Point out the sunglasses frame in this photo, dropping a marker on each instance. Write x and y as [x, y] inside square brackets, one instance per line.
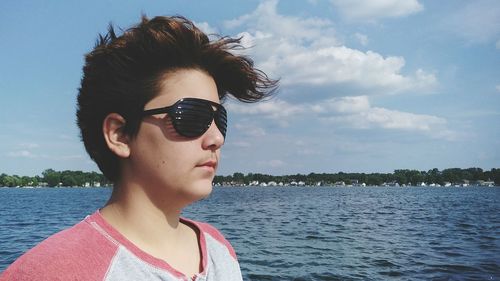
[219, 115]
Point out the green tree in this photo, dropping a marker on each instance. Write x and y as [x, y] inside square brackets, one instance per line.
[401, 176]
[68, 180]
[2, 179]
[453, 175]
[26, 181]
[495, 176]
[239, 177]
[51, 177]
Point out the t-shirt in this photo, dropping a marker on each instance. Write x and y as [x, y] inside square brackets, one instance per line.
[94, 250]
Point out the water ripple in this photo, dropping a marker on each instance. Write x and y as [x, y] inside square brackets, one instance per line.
[308, 233]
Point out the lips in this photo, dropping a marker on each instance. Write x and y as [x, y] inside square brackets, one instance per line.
[210, 164]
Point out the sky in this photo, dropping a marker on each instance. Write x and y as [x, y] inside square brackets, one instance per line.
[365, 85]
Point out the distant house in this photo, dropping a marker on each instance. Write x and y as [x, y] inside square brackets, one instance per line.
[392, 183]
[485, 183]
[254, 183]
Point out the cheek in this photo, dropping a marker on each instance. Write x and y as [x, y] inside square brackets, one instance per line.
[149, 150]
[171, 158]
[157, 156]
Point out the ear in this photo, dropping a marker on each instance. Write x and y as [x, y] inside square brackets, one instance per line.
[116, 139]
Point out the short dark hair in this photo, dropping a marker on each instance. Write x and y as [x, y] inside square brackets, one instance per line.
[122, 73]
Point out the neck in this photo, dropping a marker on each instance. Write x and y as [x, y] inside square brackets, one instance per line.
[148, 215]
[132, 212]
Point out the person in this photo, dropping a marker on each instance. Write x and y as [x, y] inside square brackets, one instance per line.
[151, 116]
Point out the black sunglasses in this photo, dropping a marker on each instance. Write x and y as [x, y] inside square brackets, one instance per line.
[192, 117]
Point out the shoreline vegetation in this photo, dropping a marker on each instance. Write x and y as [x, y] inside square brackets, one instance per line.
[456, 177]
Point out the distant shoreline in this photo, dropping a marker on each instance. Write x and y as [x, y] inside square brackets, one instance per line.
[264, 185]
[452, 177]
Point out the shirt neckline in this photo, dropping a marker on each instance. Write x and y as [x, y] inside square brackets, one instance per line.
[144, 256]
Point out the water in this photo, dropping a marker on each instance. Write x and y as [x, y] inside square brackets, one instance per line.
[308, 233]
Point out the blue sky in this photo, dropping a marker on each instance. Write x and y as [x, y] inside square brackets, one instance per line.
[366, 85]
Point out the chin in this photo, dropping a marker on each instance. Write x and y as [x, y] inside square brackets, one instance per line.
[200, 190]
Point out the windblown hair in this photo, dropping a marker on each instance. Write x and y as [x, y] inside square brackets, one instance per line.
[122, 73]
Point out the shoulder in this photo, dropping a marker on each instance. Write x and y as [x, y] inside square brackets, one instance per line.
[213, 235]
[220, 261]
[77, 251]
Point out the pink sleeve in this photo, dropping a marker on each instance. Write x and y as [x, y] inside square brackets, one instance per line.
[79, 253]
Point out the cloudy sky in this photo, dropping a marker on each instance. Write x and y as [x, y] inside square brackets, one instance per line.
[366, 85]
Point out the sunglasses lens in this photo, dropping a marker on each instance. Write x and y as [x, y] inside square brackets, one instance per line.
[192, 118]
[221, 120]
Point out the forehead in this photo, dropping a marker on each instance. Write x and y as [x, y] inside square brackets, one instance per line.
[185, 83]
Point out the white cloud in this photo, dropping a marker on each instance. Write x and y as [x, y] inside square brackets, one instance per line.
[308, 152]
[350, 112]
[274, 108]
[278, 110]
[376, 117]
[241, 144]
[363, 39]
[266, 20]
[206, 28]
[29, 145]
[305, 51]
[477, 21]
[275, 163]
[498, 88]
[250, 130]
[356, 112]
[67, 157]
[22, 154]
[28, 154]
[343, 105]
[372, 10]
[423, 79]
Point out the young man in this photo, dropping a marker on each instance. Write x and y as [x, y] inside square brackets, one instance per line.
[150, 114]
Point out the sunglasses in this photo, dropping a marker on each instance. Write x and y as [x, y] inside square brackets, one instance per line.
[192, 117]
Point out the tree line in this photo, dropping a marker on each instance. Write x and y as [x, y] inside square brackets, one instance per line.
[53, 178]
[407, 177]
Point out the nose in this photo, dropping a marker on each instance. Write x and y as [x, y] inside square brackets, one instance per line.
[213, 138]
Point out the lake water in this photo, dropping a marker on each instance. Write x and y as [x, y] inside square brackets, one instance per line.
[307, 233]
